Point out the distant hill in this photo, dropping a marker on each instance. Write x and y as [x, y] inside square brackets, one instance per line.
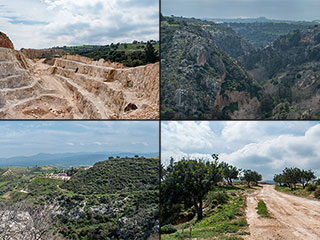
[240, 20]
[260, 33]
[65, 160]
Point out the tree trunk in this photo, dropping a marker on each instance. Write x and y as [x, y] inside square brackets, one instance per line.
[198, 208]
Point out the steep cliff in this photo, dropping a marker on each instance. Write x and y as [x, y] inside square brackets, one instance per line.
[199, 78]
[76, 87]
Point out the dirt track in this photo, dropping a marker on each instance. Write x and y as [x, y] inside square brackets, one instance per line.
[291, 217]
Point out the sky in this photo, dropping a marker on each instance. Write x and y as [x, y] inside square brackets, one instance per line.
[27, 138]
[272, 9]
[266, 147]
[49, 23]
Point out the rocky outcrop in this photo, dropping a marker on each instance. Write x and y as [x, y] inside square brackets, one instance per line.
[42, 53]
[199, 78]
[76, 88]
[5, 42]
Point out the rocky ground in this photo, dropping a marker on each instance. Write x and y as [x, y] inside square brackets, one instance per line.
[75, 87]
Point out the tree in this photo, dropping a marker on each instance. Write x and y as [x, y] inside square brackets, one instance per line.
[150, 53]
[188, 181]
[278, 178]
[251, 176]
[229, 172]
[306, 176]
[292, 176]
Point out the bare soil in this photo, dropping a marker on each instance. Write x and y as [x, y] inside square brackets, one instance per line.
[291, 217]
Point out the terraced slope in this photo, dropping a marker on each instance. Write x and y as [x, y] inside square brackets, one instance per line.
[76, 87]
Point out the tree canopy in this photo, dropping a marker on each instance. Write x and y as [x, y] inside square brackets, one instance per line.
[188, 181]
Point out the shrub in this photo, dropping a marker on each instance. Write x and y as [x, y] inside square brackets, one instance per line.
[215, 198]
[167, 229]
[311, 187]
[317, 193]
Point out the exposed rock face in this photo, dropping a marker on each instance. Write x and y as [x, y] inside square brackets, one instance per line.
[42, 53]
[5, 42]
[199, 80]
[76, 87]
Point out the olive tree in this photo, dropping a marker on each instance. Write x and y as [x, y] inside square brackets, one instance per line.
[188, 181]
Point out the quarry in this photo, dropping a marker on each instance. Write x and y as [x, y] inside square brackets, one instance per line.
[74, 87]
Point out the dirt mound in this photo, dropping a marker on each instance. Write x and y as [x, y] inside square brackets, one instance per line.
[5, 42]
[76, 87]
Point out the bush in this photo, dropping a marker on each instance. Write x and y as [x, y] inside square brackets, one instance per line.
[311, 187]
[317, 193]
[215, 198]
[167, 229]
[318, 182]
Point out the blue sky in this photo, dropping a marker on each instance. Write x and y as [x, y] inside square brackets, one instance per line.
[49, 23]
[32, 137]
[274, 9]
[267, 147]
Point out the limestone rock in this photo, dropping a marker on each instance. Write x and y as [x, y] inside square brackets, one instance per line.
[5, 42]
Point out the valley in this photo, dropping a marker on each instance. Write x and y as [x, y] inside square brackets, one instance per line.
[239, 70]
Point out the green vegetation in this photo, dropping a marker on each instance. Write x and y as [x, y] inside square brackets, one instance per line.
[196, 203]
[114, 199]
[223, 220]
[260, 34]
[198, 66]
[262, 209]
[130, 54]
[250, 176]
[208, 67]
[292, 176]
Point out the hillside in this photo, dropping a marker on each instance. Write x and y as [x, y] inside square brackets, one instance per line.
[115, 175]
[289, 70]
[211, 72]
[199, 79]
[260, 34]
[106, 201]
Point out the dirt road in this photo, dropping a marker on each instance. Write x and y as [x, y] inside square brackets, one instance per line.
[291, 217]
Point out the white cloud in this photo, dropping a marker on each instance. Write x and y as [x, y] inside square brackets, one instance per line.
[76, 22]
[267, 147]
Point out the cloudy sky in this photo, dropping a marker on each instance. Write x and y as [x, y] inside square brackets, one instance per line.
[49, 23]
[32, 137]
[267, 147]
[273, 9]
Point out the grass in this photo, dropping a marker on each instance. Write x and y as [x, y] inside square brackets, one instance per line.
[225, 221]
[4, 183]
[262, 209]
[299, 191]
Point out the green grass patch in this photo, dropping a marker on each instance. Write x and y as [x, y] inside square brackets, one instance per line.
[262, 209]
